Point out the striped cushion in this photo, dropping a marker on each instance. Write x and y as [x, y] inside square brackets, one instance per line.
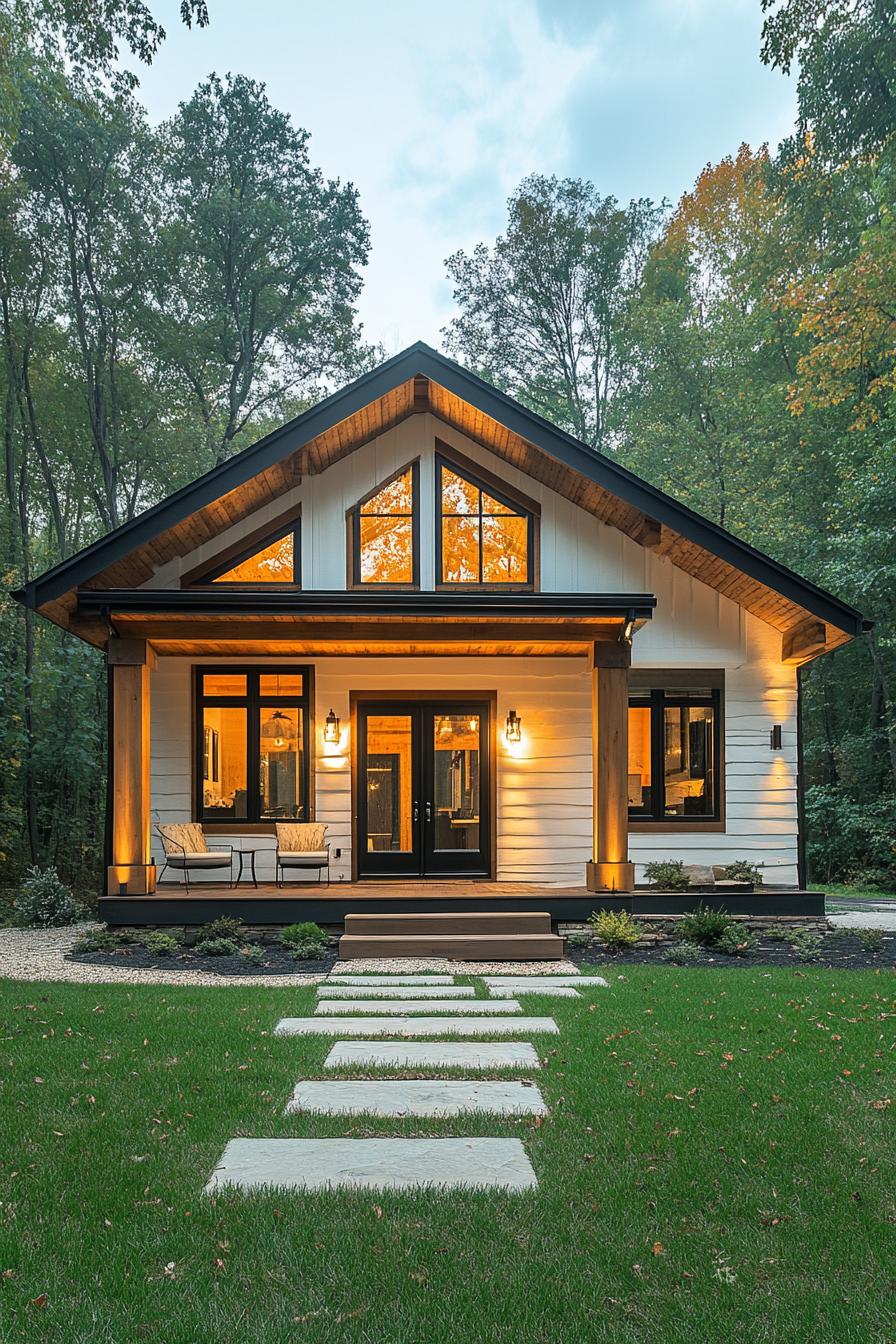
[178, 836]
[298, 837]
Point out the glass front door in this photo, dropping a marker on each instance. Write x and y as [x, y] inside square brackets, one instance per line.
[423, 789]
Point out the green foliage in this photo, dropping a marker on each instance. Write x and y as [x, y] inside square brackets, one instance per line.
[806, 945]
[218, 947]
[225, 926]
[307, 941]
[667, 875]
[98, 940]
[736, 941]
[46, 900]
[616, 928]
[871, 939]
[579, 938]
[705, 926]
[683, 954]
[741, 871]
[158, 943]
[851, 840]
[254, 953]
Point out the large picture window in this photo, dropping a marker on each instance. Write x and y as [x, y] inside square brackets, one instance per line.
[674, 753]
[252, 737]
[384, 547]
[485, 538]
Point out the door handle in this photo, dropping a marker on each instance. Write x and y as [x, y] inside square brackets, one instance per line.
[416, 812]
[429, 811]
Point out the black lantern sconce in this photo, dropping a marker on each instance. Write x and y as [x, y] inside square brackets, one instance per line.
[776, 740]
[331, 728]
[514, 725]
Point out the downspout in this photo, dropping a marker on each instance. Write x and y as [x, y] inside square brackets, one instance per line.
[801, 870]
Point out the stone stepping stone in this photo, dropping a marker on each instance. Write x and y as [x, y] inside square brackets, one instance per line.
[414, 1026]
[334, 1007]
[373, 1164]
[443, 1055]
[338, 978]
[329, 991]
[555, 981]
[549, 991]
[399, 1096]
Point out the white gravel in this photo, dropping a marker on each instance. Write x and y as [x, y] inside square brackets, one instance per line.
[39, 954]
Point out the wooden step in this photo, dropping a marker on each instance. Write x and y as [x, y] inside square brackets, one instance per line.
[480, 921]
[456, 946]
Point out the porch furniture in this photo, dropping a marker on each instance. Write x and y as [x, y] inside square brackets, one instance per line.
[241, 855]
[186, 848]
[300, 846]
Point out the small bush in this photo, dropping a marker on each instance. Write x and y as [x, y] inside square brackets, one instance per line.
[306, 942]
[704, 926]
[254, 953]
[668, 875]
[616, 928]
[218, 947]
[98, 940]
[736, 942]
[579, 938]
[683, 954]
[871, 939]
[160, 944]
[225, 926]
[806, 945]
[741, 871]
[45, 900]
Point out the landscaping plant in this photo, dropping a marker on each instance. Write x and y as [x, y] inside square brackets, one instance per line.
[805, 944]
[741, 871]
[736, 941]
[218, 947]
[45, 900]
[225, 926]
[871, 939]
[306, 941]
[254, 953]
[616, 929]
[667, 875]
[704, 926]
[683, 954]
[160, 944]
[98, 940]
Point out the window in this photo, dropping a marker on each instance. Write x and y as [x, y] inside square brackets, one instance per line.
[271, 557]
[484, 538]
[384, 533]
[252, 743]
[674, 753]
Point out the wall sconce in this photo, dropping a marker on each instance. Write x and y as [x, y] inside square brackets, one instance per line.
[513, 729]
[775, 737]
[331, 728]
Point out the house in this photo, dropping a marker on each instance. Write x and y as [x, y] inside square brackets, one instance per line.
[499, 667]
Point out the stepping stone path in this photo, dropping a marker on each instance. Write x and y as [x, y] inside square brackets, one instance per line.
[372, 1006]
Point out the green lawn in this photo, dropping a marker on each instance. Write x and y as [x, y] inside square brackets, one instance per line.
[849, 895]
[718, 1161]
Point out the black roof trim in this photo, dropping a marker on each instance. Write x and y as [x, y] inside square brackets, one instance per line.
[422, 359]
[254, 602]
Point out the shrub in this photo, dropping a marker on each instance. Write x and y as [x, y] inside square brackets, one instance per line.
[682, 954]
[45, 900]
[306, 942]
[160, 944]
[704, 926]
[98, 940]
[579, 938]
[736, 942]
[847, 839]
[806, 945]
[741, 871]
[616, 928]
[225, 926]
[218, 947]
[667, 874]
[871, 939]
[254, 953]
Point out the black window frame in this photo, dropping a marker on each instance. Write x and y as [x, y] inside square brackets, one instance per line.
[658, 700]
[253, 702]
[512, 501]
[354, 524]
[213, 576]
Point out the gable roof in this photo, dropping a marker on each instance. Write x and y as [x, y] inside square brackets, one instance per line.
[420, 379]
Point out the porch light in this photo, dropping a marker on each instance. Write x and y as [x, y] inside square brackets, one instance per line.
[775, 737]
[514, 725]
[280, 728]
[331, 728]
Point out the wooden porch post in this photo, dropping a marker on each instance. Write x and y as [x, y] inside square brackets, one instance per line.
[131, 871]
[610, 869]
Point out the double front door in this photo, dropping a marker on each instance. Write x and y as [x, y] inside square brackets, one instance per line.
[423, 789]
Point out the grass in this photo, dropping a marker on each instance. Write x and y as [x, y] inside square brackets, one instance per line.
[718, 1162]
[848, 896]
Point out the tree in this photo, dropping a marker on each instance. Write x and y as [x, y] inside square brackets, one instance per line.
[261, 261]
[540, 311]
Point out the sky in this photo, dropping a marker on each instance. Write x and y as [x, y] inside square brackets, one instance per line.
[437, 109]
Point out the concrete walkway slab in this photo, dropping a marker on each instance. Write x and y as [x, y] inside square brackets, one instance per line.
[335, 1007]
[414, 1026]
[549, 991]
[338, 978]
[329, 991]
[576, 981]
[374, 1164]
[423, 1055]
[406, 1096]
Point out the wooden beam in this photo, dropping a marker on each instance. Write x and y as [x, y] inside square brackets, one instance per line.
[610, 869]
[803, 641]
[130, 653]
[131, 871]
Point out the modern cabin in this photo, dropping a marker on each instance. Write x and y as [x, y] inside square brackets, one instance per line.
[496, 666]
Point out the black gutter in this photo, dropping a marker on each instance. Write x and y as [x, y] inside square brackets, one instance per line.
[627, 606]
[421, 359]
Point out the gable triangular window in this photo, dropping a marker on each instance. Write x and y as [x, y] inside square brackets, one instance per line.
[384, 533]
[486, 536]
[268, 557]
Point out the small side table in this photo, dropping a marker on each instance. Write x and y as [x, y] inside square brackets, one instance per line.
[242, 853]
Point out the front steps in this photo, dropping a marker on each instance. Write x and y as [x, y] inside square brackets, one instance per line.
[478, 936]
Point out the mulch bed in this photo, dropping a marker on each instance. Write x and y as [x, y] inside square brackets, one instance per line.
[277, 961]
[841, 950]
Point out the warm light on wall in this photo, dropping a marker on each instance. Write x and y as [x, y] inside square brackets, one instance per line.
[513, 729]
[331, 729]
